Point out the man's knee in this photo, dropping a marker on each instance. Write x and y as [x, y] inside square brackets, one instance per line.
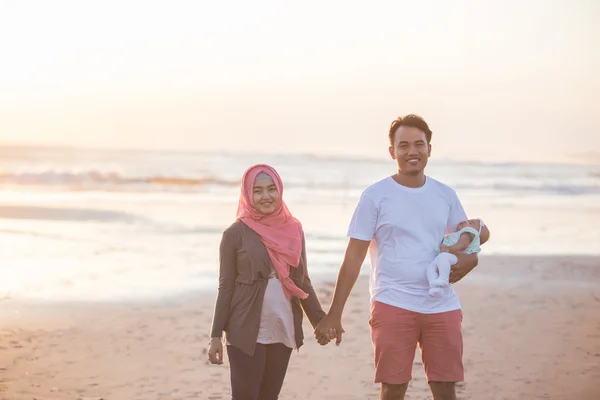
[393, 392]
[443, 390]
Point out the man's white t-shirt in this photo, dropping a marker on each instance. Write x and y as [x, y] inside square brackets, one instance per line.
[406, 227]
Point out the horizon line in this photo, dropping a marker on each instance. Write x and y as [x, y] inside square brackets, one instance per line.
[591, 158]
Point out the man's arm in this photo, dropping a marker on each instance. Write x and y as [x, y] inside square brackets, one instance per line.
[464, 265]
[349, 271]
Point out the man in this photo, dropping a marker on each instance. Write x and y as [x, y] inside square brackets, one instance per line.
[402, 220]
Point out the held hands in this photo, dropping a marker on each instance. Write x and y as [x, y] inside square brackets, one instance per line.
[328, 329]
[215, 351]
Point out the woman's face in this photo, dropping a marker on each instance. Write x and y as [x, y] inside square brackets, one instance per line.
[265, 195]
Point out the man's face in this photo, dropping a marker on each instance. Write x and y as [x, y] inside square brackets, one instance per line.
[410, 150]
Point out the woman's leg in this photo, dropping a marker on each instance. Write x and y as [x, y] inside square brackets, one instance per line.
[246, 372]
[278, 357]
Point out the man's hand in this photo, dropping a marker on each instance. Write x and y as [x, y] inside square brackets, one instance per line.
[330, 327]
[465, 264]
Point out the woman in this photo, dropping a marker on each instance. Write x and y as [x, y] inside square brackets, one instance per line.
[263, 287]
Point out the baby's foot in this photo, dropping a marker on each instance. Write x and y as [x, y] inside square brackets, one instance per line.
[436, 292]
[439, 283]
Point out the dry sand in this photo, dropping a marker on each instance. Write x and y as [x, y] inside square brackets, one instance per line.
[531, 327]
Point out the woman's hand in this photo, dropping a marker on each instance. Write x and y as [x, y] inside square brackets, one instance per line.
[215, 351]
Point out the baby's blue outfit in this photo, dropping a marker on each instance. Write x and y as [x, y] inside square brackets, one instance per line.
[474, 246]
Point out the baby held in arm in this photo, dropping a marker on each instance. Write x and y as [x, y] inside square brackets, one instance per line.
[466, 239]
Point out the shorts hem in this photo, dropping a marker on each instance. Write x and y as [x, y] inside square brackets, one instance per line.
[454, 380]
[392, 381]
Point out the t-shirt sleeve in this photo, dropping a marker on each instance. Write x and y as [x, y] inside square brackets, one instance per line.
[364, 220]
[457, 214]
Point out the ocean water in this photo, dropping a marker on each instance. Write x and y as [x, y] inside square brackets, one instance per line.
[111, 225]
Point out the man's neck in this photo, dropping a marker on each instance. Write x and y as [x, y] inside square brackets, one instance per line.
[411, 181]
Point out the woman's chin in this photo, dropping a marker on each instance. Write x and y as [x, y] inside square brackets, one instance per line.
[266, 211]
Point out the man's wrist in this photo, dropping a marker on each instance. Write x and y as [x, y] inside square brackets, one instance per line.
[335, 311]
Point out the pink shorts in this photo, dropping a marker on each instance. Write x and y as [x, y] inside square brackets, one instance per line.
[395, 333]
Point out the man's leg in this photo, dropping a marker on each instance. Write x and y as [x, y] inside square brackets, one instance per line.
[393, 392]
[442, 349]
[394, 333]
[443, 390]
[278, 357]
[246, 372]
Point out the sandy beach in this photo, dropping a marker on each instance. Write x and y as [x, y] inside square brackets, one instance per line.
[531, 331]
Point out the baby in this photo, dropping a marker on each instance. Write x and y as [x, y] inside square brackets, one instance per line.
[466, 239]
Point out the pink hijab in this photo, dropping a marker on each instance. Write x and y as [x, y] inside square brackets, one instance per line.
[280, 232]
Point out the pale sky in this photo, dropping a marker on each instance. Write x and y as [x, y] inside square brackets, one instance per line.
[502, 80]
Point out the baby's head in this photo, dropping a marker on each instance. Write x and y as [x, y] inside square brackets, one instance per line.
[473, 223]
